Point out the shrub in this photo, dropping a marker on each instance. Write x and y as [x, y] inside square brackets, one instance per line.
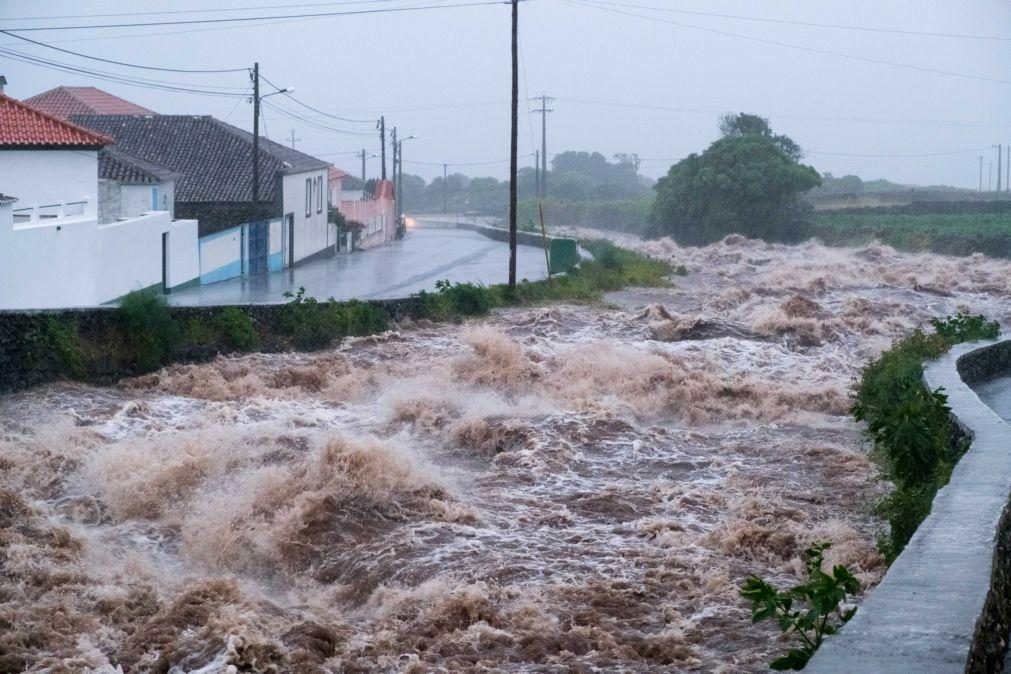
[453, 300]
[362, 318]
[236, 328]
[812, 610]
[313, 325]
[310, 324]
[63, 340]
[149, 332]
[911, 427]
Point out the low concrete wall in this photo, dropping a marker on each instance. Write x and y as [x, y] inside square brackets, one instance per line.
[496, 233]
[27, 359]
[943, 606]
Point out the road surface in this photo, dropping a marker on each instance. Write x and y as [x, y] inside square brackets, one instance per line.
[399, 269]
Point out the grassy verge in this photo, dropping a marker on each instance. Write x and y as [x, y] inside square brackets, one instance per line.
[911, 426]
[953, 234]
[144, 333]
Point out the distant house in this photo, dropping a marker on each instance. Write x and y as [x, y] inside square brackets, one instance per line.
[66, 101]
[214, 163]
[54, 252]
[129, 186]
[375, 210]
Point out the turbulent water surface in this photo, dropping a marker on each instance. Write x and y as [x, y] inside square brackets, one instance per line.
[564, 488]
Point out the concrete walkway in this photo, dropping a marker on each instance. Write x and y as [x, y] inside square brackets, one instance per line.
[933, 613]
[399, 269]
[996, 393]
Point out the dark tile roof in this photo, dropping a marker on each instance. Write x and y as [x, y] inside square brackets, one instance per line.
[7, 199]
[214, 158]
[67, 101]
[25, 127]
[121, 167]
[350, 183]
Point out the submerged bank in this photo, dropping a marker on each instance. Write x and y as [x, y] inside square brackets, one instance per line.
[551, 488]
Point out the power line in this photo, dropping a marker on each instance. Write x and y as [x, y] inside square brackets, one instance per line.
[896, 156]
[137, 82]
[317, 110]
[464, 163]
[313, 15]
[197, 11]
[324, 127]
[814, 50]
[805, 23]
[818, 118]
[119, 63]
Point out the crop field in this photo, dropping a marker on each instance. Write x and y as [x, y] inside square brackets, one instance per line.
[955, 234]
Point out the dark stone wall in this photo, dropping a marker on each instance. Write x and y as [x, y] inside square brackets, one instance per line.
[27, 357]
[982, 364]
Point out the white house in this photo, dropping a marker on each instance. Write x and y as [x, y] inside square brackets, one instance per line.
[213, 162]
[54, 252]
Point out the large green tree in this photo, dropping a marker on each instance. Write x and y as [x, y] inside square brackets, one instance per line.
[747, 182]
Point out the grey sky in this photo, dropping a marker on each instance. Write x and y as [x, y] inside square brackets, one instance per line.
[444, 75]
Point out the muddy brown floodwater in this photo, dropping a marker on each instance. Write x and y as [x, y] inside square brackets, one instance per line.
[552, 489]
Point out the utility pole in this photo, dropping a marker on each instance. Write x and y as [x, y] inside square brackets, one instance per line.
[396, 183]
[293, 139]
[1000, 158]
[445, 186]
[256, 136]
[514, 133]
[981, 173]
[1007, 172]
[537, 172]
[363, 156]
[544, 110]
[989, 177]
[382, 139]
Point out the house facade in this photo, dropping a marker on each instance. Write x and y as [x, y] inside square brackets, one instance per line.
[54, 251]
[213, 161]
[375, 212]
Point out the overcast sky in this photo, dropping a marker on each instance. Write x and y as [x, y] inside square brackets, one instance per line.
[625, 77]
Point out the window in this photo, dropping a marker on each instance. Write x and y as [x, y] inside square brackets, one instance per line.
[154, 198]
[319, 195]
[308, 197]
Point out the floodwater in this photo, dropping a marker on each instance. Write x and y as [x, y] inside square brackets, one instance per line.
[552, 489]
[996, 393]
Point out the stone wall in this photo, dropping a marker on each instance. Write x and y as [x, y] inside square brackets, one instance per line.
[944, 605]
[28, 358]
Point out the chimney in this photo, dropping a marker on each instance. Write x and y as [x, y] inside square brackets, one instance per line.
[3, 83]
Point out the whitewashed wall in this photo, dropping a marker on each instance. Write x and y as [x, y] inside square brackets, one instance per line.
[136, 199]
[312, 232]
[222, 254]
[76, 262]
[40, 177]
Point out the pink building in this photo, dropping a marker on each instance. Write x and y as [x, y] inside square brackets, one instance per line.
[374, 211]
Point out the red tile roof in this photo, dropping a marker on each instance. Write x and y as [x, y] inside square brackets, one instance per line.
[24, 127]
[67, 101]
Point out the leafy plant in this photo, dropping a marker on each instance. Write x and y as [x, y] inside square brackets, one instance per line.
[63, 339]
[310, 323]
[911, 426]
[812, 610]
[236, 328]
[150, 333]
[966, 328]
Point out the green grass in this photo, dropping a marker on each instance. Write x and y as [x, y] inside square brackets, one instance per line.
[961, 234]
[611, 269]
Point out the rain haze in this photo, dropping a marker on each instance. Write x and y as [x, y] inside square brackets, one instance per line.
[625, 78]
[548, 336]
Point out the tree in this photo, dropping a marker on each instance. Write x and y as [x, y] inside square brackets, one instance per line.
[747, 182]
[743, 124]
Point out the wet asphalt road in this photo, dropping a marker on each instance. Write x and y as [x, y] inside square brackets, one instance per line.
[399, 269]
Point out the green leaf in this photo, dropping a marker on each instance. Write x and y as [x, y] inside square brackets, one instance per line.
[796, 660]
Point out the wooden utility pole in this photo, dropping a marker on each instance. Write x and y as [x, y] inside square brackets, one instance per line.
[514, 133]
[382, 139]
[544, 110]
[256, 137]
[363, 155]
[293, 139]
